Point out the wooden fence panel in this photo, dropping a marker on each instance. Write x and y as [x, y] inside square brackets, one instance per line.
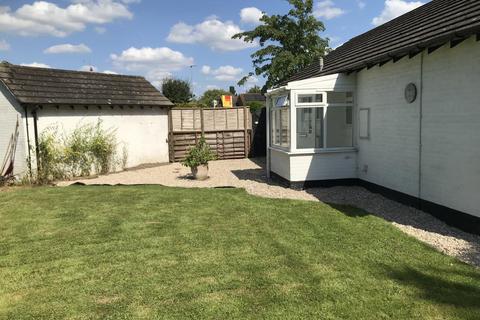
[224, 131]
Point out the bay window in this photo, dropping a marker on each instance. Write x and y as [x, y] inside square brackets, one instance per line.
[324, 120]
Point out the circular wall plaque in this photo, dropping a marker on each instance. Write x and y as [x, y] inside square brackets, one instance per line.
[411, 92]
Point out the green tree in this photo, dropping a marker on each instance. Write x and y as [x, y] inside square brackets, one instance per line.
[210, 95]
[255, 89]
[288, 43]
[176, 90]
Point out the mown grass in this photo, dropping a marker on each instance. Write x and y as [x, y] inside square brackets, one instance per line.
[149, 252]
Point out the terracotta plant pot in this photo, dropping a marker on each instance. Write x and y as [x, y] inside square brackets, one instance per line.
[200, 172]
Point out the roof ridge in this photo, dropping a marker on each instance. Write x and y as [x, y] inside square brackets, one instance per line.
[70, 71]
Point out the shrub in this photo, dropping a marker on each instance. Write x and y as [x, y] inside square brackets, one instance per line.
[89, 148]
[255, 106]
[201, 154]
[51, 158]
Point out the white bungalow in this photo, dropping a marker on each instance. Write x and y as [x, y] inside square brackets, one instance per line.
[396, 109]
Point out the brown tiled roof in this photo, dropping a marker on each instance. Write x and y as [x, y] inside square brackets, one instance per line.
[253, 97]
[428, 26]
[43, 86]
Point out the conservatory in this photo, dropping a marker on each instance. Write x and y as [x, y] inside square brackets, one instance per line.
[311, 130]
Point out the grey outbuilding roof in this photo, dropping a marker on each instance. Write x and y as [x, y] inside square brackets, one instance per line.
[42, 86]
[425, 28]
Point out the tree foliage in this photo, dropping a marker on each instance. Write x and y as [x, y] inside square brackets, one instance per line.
[288, 43]
[176, 90]
[213, 94]
[255, 89]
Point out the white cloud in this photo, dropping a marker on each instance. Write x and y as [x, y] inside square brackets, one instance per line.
[47, 18]
[36, 65]
[109, 72]
[251, 15]
[223, 73]
[88, 68]
[4, 45]
[156, 63]
[251, 82]
[68, 48]
[326, 9]
[361, 4]
[395, 8]
[100, 30]
[157, 77]
[147, 58]
[212, 87]
[212, 32]
[206, 69]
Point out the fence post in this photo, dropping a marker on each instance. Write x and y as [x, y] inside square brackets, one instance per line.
[245, 128]
[202, 124]
[171, 142]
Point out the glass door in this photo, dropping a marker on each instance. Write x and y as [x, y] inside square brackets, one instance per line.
[309, 128]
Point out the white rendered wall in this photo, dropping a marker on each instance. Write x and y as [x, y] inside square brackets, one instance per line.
[280, 163]
[143, 132]
[451, 127]
[323, 166]
[390, 157]
[10, 111]
[450, 155]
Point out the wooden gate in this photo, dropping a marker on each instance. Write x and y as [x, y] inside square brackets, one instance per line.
[227, 131]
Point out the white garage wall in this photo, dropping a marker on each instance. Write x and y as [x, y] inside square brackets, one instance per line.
[10, 111]
[143, 132]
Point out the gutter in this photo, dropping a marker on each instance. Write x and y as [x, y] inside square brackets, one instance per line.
[419, 46]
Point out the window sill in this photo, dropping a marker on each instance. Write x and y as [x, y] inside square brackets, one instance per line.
[279, 149]
[315, 151]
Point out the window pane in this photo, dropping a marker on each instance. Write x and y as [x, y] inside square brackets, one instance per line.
[310, 98]
[280, 127]
[277, 128]
[364, 115]
[339, 97]
[281, 101]
[309, 128]
[285, 127]
[339, 130]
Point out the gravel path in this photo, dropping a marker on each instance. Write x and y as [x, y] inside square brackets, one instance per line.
[251, 176]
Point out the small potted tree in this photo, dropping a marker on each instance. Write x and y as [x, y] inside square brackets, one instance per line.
[197, 159]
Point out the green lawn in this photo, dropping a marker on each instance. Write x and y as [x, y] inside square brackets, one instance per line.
[163, 253]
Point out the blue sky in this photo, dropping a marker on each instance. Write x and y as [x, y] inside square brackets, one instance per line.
[156, 39]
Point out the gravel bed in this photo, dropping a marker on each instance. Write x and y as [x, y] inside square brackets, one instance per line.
[250, 175]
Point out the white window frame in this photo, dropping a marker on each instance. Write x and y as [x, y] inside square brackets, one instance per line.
[310, 93]
[325, 105]
[288, 106]
[360, 136]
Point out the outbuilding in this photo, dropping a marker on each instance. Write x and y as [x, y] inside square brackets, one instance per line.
[396, 109]
[38, 98]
